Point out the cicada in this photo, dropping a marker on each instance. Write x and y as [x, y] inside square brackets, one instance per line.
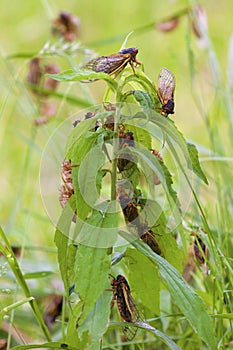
[166, 87]
[115, 63]
[200, 249]
[126, 305]
[151, 241]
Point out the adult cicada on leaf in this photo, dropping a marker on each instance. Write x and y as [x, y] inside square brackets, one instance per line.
[115, 63]
[126, 305]
[166, 87]
[151, 241]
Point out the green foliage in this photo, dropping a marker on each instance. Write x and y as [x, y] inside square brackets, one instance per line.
[183, 295]
[121, 191]
[85, 148]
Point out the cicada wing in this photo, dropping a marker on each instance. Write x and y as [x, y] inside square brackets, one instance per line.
[108, 64]
[166, 85]
[129, 332]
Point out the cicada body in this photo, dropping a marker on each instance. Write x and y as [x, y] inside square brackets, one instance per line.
[151, 241]
[200, 249]
[125, 304]
[115, 63]
[166, 87]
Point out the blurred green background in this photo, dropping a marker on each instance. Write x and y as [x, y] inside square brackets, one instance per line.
[25, 28]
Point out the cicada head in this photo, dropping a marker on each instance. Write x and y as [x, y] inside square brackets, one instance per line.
[133, 51]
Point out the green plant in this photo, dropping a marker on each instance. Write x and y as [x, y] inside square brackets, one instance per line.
[141, 216]
[99, 139]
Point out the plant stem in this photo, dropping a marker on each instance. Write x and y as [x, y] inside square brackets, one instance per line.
[7, 251]
[114, 162]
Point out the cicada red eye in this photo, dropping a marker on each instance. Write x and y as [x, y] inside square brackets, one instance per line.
[166, 88]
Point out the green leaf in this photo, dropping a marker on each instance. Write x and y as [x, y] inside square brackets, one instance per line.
[140, 81]
[76, 153]
[61, 240]
[50, 345]
[145, 100]
[152, 210]
[172, 345]
[72, 337]
[83, 75]
[97, 321]
[141, 135]
[196, 167]
[148, 328]
[90, 175]
[84, 128]
[171, 252]
[92, 267]
[142, 284]
[5, 310]
[171, 133]
[38, 274]
[150, 165]
[190, 304]
[71, 256]
[99, 229]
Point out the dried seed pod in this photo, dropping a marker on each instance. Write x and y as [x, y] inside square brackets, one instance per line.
[39, 84]
[66, 26]
[166, 87]
[35, 71]
[199, 22]
[168, 25]
[51, 84]
[126, 305]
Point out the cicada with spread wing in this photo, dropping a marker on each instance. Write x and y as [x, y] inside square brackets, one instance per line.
[166, 87]
[126, 305]
[115, 63]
